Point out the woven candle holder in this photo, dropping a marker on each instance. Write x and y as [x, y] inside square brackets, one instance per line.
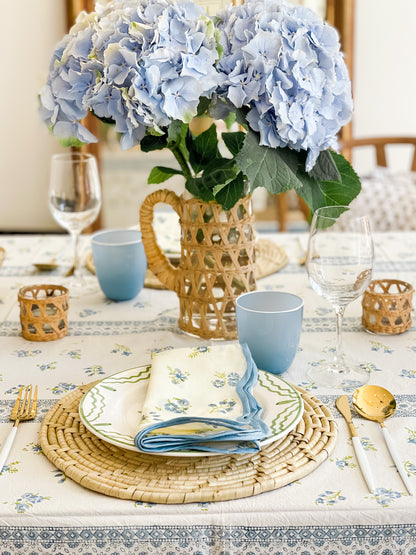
[43, 312]
[387, 306]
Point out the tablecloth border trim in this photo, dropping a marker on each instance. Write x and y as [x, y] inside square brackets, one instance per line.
[108, 328]
[156, 534]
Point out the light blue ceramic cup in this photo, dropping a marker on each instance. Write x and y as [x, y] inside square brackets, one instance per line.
[120, 262]
[270, 322]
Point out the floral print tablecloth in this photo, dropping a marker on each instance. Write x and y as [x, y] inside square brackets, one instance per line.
[331, 510]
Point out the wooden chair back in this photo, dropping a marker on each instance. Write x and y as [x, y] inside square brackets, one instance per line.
[379, 144]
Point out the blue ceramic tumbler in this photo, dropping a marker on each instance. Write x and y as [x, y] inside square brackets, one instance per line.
[270, 322]
[120, 262]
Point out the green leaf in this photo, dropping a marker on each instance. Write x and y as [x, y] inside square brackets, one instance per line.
[220, 48]
[197, 187]
[70, 141]
[274, 169]
[177, 131]
[219, 172]
[325, 168]
[241, 117]
[229, 194]
[159, 174]
[156, 132]
[203, 105]
[153, 142]
[331, 193]
[281, 169]
[203, 148]
[230, 119]
[234, 141]
[294, 159]
[103, 119]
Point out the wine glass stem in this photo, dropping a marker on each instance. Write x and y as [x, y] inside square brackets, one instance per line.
[75, 243]
[338, 358]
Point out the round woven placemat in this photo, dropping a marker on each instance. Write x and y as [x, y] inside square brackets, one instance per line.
[270, 258]
[102, 467]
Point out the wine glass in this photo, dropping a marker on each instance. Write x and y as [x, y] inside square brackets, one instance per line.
[74, 196]
[339, 263]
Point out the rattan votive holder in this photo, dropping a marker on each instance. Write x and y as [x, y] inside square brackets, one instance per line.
[43, 312]
[387, 306]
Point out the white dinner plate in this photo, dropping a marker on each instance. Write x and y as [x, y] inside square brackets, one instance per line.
[111, 409]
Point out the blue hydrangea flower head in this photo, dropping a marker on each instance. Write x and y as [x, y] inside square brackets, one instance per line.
[150, 66]
[283, 65]
[137, 63]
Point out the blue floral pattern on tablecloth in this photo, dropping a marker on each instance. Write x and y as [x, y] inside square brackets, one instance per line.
[330, 510]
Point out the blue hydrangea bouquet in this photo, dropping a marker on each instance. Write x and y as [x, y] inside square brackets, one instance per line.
[150, 66]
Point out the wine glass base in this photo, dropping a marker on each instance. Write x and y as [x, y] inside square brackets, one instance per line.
[80, 285]
[348, 375]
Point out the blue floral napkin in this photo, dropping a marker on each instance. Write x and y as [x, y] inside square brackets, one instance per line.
[202, 399]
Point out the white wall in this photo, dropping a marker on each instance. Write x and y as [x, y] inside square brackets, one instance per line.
[384, 75]
[28, 32]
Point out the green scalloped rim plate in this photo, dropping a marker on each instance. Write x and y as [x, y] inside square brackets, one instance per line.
[111, 409]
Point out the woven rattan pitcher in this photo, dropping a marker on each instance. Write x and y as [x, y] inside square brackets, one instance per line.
[216, 263]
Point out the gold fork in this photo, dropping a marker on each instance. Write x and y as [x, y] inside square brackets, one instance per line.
[23, 410]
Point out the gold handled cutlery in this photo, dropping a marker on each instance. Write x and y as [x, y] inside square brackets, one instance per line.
[23, 410]
[376, 403]
[343, 406]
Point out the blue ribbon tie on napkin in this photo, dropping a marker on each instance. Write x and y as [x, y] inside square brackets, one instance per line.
[201, 399]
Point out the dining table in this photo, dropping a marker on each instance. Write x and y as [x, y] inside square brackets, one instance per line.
[329, 509]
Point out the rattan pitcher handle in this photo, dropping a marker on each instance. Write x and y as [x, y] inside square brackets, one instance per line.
[156, 260]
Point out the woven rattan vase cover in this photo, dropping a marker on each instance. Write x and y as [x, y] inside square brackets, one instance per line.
[105, 468]
[217, 261]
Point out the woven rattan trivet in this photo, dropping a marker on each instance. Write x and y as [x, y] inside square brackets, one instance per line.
[270, 258]
[102, 467]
